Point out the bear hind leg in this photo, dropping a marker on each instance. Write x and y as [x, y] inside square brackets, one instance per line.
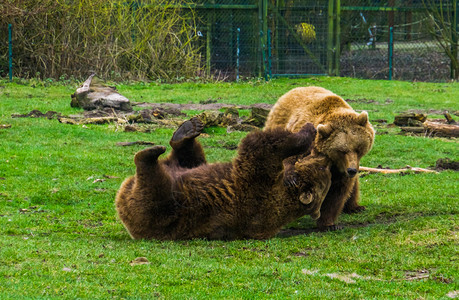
[186, 151]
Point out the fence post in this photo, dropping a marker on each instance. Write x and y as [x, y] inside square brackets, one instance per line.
[237, 53]
[338, 37]
[391, 51]
[10, 51]
[330, 36]
[270, 73]
[454, 38]
[263, 27]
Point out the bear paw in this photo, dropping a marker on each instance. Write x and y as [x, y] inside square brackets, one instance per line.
[150, 154]
[353, 210]
[187, 131]
[306, 136]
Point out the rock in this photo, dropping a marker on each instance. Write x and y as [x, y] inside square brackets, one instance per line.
[95, 95]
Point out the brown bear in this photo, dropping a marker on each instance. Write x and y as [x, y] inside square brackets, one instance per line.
[183, 197]
[344, 136]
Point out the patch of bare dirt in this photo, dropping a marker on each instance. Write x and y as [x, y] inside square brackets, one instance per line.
[200, 106]
[446, 164]
[38, 114]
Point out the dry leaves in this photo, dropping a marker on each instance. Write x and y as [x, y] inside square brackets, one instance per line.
[140, 261]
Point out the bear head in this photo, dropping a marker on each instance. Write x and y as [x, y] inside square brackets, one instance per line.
[345, 139]
[315, 180]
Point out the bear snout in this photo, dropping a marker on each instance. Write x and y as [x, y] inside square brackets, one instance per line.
[351, 172]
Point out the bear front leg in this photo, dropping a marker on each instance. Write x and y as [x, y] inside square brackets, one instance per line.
[352, 205]
[186, 151]
[333, 204]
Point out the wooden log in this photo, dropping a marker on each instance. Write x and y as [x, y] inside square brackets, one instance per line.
[134, 143]
[441, 129]
[410, 119]
[98, 121]
[395, 171]
[448, 118]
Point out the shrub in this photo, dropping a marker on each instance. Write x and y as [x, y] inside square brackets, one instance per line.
[116, 39]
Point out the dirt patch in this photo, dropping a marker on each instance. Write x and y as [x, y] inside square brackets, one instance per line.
[369, 101]
[201, 106]
[446, 164]
[38, 114]
[426, 111]
[164, 115]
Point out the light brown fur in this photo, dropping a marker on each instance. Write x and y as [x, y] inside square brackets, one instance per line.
[344, 136]
[183, 197]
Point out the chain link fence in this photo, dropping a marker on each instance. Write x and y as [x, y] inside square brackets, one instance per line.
[272, 38]
[287, 38]
[366, 42]
[263, 38]
[229, 37]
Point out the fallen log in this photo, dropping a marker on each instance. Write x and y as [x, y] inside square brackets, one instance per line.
[123, 144]
[441, 129]
[434, 129]
[410, 119]
[395, 171]
[98, 121]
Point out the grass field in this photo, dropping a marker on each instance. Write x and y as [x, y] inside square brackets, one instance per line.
[60, 237]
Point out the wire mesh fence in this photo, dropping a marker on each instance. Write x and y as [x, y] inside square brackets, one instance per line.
[261, 38]
[229, 37]
[298, 35]
[285, 38]
[255, 38]
[366, 42]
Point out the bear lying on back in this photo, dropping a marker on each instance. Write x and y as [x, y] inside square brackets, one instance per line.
[183, 197]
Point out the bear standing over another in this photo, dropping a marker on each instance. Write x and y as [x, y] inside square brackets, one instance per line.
[344, 137]
[183, 197]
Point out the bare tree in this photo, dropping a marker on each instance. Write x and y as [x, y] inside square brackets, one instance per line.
[443, 25]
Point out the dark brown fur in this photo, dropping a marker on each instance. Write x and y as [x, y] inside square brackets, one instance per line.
[182, 197]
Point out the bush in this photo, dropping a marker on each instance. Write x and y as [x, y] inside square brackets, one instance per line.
[116, 39]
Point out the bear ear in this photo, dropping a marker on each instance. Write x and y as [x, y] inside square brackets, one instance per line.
[306, 198]
[324, 130]
[362, 119]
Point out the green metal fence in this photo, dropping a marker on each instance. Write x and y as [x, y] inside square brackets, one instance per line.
[274, 38]
[265, 38]
[336, 37]
[366, 42]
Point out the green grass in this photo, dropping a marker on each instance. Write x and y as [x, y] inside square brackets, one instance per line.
[60, 237]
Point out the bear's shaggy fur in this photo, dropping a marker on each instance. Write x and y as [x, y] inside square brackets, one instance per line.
[344, 136]
[183, 197]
